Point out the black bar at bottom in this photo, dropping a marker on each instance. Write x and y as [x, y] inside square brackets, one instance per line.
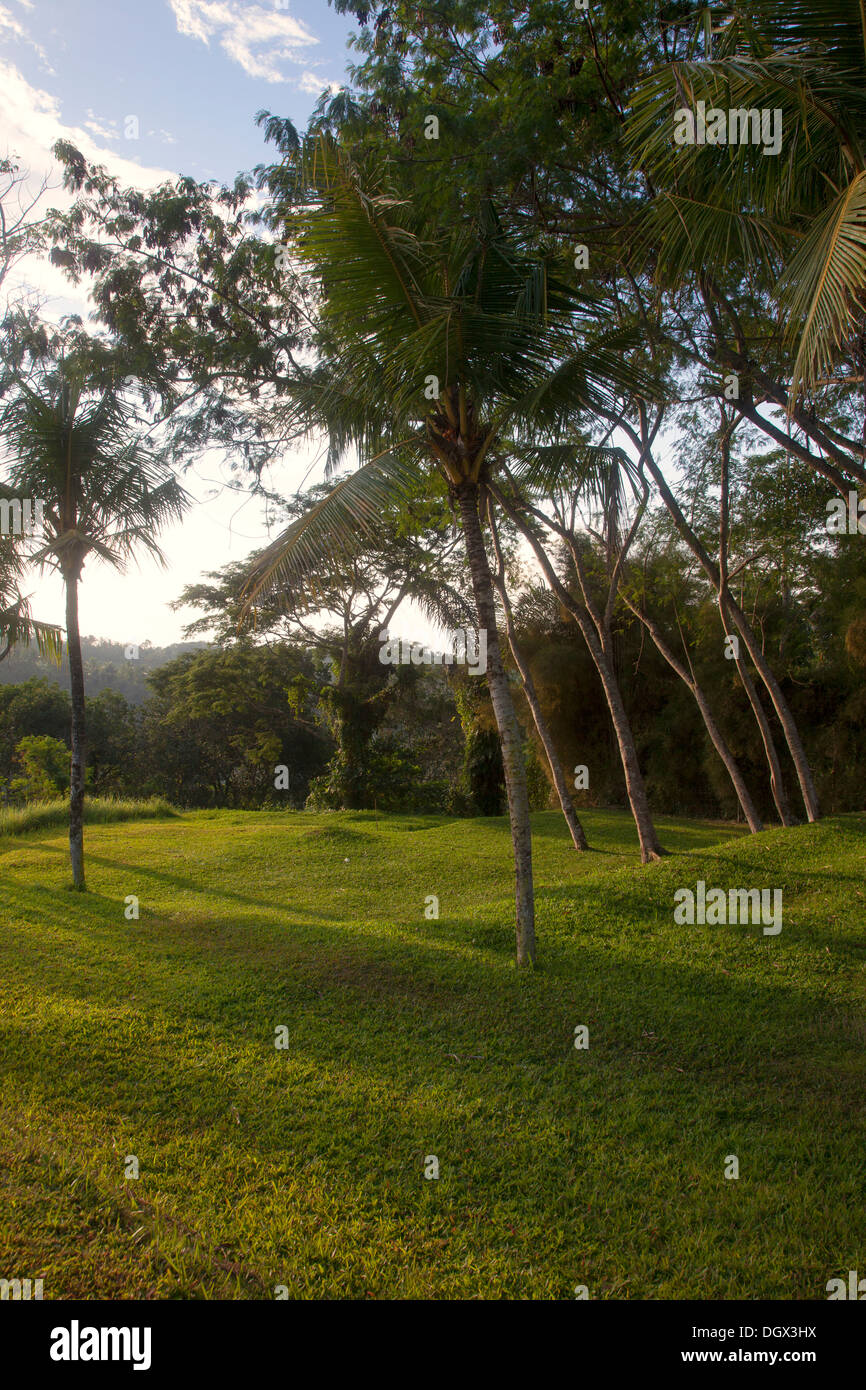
[86, 1340]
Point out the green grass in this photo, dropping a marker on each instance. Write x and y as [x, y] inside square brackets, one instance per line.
[98, 810]
[407, 1037]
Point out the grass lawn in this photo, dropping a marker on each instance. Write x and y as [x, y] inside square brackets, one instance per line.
[304, 1167]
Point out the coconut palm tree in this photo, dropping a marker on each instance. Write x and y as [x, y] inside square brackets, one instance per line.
[79, 447]
[434, 344]
[799, 214]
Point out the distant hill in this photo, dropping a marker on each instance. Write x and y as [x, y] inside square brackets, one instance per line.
[107, 665]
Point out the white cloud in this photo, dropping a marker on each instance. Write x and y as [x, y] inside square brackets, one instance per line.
[31, 122]
[11, 27]
[259, 38]
[8, 21]
[315, 85]
[99, 128]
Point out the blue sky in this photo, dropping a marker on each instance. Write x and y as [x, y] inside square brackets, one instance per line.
[194, 72]
[155, 88]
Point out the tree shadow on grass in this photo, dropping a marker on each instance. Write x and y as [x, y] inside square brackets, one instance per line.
[138, 872]
[411, 1083]
[398, 1050]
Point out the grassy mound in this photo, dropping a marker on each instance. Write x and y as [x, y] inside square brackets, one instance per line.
[411, 1037]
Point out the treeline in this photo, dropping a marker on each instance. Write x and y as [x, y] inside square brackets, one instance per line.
[271, 726]
[119, 666]
[813, 636]
[243, 727]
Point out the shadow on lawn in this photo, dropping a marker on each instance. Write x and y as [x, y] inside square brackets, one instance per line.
[212, 891]
[405, 1046]
[425, 977]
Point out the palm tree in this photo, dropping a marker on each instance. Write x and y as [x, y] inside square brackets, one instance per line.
[17, 625]
[800, 214]
[78, 446]
[434, 344]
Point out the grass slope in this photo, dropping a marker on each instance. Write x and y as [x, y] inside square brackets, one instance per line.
[408, 1037]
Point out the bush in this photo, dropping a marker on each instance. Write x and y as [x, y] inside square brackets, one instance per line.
[388, 778]
[44, 765]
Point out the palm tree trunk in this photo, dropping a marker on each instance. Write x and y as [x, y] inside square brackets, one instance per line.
[716, 736]
[78, 761]
[467, 497]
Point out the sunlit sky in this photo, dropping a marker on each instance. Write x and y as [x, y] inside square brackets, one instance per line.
[193, 73]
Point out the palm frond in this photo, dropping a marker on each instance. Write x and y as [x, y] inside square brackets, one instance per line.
[18, 628]
[825, 285]
[338, 526]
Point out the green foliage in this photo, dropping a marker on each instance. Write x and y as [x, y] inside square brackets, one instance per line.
[222, 722]
[480, 790]
[798, 217]
[44, 766]
[37, 707]
[387, 779]
[113, 743]
[538, 786]
[75, 440]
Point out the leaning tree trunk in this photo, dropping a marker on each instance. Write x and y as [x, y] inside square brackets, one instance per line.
[650, 846]
[557, 772]
[743, 626]
[467, 498]
[777, 785]
[78, 760]
[716, 736]
[576, 830]
[782, 708]
[599, 639]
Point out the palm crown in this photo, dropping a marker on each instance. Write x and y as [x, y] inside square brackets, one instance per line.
[80, 452]
[435, 345]
[798, 217]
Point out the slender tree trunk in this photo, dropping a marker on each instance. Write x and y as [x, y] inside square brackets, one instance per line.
[780, 704]
[79, 751]
[716, 736]
[650, 847]
[467, 498]
[603, 653]
[777, 785]
[557, 772]
[725, 603]
[782, 708]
